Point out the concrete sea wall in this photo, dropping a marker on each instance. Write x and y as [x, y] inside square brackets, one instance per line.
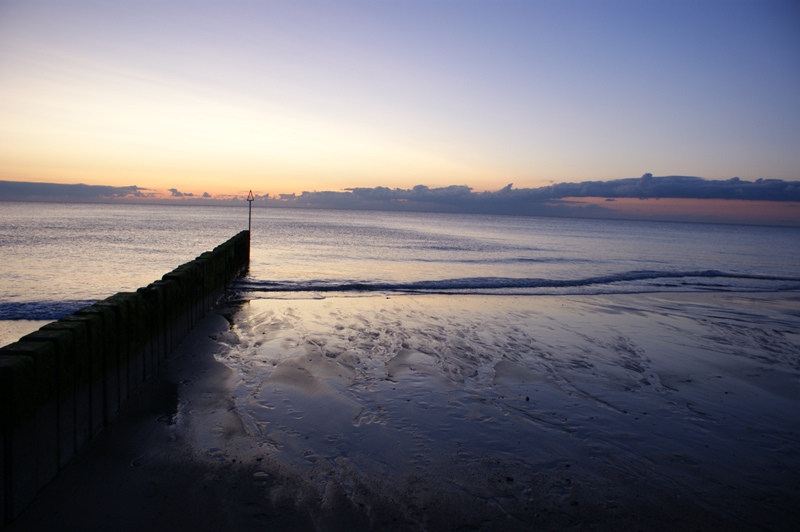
[61, 384]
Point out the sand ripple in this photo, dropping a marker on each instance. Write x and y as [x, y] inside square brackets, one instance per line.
[492, 403]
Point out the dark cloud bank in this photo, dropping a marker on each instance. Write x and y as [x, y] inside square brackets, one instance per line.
[520, 201]
[25, 191]
[563, 199]
[555, 200]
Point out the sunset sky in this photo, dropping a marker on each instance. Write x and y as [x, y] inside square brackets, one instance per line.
[284, 97]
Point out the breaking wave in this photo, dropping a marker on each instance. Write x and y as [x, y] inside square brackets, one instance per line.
[40, 310]
[627, 282]
[633, 281]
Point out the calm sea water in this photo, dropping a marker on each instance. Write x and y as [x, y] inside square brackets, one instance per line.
[57, 258]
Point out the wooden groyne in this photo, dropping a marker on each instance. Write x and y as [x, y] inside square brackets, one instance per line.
[61, 384]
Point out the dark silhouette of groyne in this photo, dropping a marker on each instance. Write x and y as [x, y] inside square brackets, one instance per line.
[60, 385]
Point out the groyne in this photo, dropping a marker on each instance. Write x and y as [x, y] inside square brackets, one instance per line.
[61, 384]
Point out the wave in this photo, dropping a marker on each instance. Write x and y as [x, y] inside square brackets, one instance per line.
[40, 310]
[626, 282]
[515, 260]
[688, 280]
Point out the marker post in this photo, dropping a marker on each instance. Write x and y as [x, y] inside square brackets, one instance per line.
[250, 199]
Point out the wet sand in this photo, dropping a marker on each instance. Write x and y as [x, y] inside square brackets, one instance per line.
[652, 412]
[13, 330]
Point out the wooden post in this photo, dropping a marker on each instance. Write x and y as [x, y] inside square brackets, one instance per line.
[250, 199]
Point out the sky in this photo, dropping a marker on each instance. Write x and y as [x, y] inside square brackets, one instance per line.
[193, 97]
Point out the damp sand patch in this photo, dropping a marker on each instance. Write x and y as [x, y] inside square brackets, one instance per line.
[502, 404]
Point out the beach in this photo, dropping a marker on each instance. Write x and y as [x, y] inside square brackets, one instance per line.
[11, 331]
[429, 412]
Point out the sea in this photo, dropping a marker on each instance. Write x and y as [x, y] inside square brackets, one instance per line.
[437, 371]
[57, 258]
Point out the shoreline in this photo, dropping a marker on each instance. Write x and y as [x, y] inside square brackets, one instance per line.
[209, 444]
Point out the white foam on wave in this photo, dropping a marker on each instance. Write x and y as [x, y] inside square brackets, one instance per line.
[624, 282]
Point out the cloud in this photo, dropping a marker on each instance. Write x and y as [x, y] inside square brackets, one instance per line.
[19, 190]
[684, 187]
[178, 194]
[456, 198]
[554, 200]
[558, 199]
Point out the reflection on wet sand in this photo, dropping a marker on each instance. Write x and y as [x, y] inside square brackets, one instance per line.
[520, 408]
